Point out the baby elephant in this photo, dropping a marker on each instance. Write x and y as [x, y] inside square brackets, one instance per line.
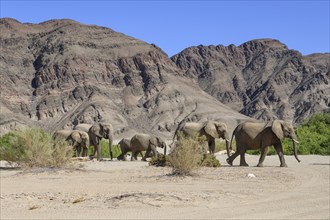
[148, 143]
[78, 139]
[125, 147]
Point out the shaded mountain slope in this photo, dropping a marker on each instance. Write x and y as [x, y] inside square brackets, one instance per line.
[60, 73]
[261, 78]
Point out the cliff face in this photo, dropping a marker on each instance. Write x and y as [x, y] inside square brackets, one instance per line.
[261, 78]
[60, 73]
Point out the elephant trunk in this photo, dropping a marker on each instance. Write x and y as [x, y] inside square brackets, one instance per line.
[227, 147]
[164, 146]
[294, 141]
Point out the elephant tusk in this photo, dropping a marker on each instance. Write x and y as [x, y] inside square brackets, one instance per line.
[295, 141]
[227, 140]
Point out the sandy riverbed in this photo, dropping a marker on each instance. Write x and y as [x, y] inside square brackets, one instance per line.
[134, 190]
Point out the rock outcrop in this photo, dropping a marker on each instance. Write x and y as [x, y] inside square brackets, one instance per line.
[59, 73]
[261, 78]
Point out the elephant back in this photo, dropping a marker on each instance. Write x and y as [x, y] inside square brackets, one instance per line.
[124, 144]
[140, 141]
[82, 127]
[191, 128]
[62, 133]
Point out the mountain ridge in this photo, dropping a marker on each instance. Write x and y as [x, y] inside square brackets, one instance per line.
[60, 72]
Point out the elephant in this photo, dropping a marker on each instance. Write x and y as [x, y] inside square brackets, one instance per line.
[78, 139]
[98, 131]
[261, 135]
[209, 129]
[83, 127]
[125, 146]
[148, 143]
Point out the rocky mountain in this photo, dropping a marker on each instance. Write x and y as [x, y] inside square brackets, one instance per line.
[261, 78]
[59, 73]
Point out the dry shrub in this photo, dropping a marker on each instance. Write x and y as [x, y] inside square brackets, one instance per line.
[209, 161]
[186, 155]
[36, 148]
[159, 161]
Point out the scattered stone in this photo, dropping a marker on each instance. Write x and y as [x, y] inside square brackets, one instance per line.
[251, 175]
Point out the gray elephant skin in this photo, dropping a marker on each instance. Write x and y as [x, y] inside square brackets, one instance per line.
[78, 139]
[83, 127]
[261, 135]
[148, 143]
[125, 147]
[209, 129]
[98, 131]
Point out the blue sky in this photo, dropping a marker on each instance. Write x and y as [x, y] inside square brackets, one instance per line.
[175, 25]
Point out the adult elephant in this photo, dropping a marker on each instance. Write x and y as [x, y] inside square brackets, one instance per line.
[78, 139]
[83, 127]
[261, 135]
[125, 147]
[98, 131]
[148, 143]
[209, 129]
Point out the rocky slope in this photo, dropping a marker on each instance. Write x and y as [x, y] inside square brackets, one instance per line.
[60, 73]
[261, 78]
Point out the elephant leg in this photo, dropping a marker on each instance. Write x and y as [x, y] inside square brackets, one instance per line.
[232, 158]
[84, 152]
[211, 144]
[279, 150]
[120, 157]
[78, 150]
[242, 161]
[133, 157]
[99, 156]
[147, 154]
[97, 148]
[262, 156]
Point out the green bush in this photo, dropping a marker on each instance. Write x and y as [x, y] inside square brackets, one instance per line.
[314, 135]
[34, 148]
[105, 149]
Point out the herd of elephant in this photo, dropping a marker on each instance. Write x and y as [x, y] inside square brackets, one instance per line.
[248, 136]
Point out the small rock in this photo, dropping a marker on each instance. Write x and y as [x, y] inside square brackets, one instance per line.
[251, 175]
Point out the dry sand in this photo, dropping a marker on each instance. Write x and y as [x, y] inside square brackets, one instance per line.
[134, 190]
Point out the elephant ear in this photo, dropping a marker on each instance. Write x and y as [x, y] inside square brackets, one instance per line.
[277, 129]
[97, 130]
[153, 141]
[75, 135]
[211, 129]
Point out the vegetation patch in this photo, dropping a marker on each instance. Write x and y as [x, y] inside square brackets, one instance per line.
[105, 149]
[187, 156]
[34, 148]
[159, 161]
[209, 161]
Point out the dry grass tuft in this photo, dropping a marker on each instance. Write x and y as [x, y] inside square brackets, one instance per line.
[186, 155]
[36, 148]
